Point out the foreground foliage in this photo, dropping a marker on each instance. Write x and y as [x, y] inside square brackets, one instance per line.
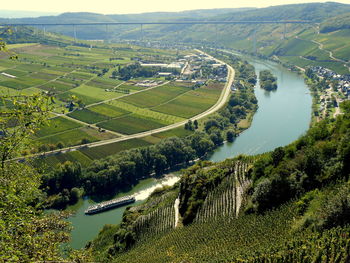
[27, 234]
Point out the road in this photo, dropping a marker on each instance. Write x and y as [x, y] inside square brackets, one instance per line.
[219, 104]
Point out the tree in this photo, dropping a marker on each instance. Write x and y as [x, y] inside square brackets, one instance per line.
[195, 123]
[277, 155]
[20, 117]
[160, 163]
[230, 135]
[27, 234]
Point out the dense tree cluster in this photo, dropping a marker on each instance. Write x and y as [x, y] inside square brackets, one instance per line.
[267, 80]
[242, 101]
[126, 168]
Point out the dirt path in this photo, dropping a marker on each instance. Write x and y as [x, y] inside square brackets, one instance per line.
[176, 208]
[320, 46]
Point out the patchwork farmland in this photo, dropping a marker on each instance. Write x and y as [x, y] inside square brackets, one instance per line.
[92, 105]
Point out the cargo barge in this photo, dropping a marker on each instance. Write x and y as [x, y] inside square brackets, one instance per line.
[100, 207]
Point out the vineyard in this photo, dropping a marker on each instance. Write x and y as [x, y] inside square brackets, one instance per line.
[226, 199]
[156, 222]
[265, 238]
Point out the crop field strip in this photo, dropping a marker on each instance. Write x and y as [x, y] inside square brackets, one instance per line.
[57, 125]
[131, 124]
[113, 148]
[191, 103]
[68, 138]
[156, 96]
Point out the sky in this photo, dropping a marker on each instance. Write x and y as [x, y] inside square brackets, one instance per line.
[137, 6]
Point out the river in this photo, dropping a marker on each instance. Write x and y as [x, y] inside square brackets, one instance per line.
[283, 116]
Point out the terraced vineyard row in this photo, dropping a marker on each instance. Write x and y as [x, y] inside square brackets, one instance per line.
[225, 200]
[224, 240]
[249, 238]
[158, 221]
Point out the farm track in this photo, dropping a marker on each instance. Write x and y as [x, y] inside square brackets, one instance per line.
[219, 104]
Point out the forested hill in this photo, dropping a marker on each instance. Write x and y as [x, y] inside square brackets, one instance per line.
[316, 12]
[297, 44]
[99, 32]
[81, 17]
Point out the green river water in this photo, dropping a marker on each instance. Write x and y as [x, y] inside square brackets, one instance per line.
[282, 117]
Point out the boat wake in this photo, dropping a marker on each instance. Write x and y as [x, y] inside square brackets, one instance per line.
[144, 194]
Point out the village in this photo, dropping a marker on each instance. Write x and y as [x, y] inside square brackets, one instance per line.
[337, 90]
[195, 68]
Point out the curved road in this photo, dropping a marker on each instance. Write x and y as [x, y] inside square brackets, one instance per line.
[220, 103]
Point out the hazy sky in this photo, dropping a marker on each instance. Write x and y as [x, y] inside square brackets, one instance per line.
[137, 6]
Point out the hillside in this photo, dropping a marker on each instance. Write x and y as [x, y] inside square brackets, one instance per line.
[335, 23]
[99, 32]
[282, 206]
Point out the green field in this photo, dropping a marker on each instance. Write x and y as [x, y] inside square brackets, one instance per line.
[147, 113]
[302, 62]
[191, 103]
[95, 93]
[104, 83]
[87, 116]
[57, 125]
[67, 96]
[56, 86]
[131, 124]
[156, 96]
[108, 110]
[69, 138]
[113, 148]
[15, 72]
[74, 156]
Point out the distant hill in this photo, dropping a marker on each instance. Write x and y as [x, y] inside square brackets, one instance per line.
[115, 31]
[21, 14]
[297, 45]
[316, 12]
[336, 23]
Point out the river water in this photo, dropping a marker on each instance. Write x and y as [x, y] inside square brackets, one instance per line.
[282, 117]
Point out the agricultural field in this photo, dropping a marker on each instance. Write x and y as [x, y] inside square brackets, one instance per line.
[74, 156]
[131, 124]
[156, 96]
[113, 148]
[69, 138]
[108, 110]
[193, 102]
[303, 52]
[100, 107]
[57, 125]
